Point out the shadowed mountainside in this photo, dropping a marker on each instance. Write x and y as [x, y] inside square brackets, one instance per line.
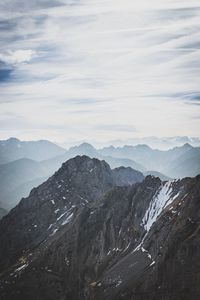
[86, 233]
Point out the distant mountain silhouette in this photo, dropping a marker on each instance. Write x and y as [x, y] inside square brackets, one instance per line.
[13, 149]
[159, 160]
[18, 177]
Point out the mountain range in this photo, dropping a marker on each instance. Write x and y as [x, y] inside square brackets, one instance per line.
[19, 176]
[90, 233]
[178, 162]
[163, 143]
[13, 149]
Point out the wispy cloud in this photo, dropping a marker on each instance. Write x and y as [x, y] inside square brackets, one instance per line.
[86, 65]
[17, 57]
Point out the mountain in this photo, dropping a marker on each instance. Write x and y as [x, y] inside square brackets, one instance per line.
[16, 178]
[83, 149]
[177, 162]
[127, 151]
[125, 175]
[163, 177]
[80, 180]
[14, 149]
[114, 162]
[20, 176]
[187, 164]
[184, 158]
[3, 212]
[117, 162]
[86, 233]
[163, 143]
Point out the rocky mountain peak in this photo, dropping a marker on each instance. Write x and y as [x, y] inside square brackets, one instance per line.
[83, 234]
[75, 186]
[83, 163]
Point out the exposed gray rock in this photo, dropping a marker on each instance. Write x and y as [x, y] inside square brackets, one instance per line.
[3, 212]
[82, 235]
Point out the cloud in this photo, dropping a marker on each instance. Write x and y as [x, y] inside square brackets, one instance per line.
[101, 67]
[23, 6]
[116, 128]
[17, 57]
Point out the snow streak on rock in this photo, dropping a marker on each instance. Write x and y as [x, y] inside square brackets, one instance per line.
[161, 199]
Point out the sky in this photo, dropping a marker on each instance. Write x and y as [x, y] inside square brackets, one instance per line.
[99, 69]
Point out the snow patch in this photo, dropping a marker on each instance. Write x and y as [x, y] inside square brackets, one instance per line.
[161, 199]
[83, 198]
[127, 247]
[68, 219]
[21, 268]
[62, 215]
[50, 226]
[55, 230]
[117, 281]
[153, 263]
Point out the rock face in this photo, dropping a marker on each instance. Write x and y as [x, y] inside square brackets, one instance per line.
[3, 212]
[89, 233]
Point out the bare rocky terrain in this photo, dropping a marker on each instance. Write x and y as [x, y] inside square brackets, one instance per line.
[90, 232]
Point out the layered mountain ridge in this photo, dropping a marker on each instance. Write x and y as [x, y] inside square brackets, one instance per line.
[13, 149]
[178, 162]
[80, 181]
[90, 232]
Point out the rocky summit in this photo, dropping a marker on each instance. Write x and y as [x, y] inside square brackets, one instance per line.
[93, 233]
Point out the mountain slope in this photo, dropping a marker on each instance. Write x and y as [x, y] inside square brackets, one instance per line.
[175, 163]
[3, 212]
[20, 176]
[163, 177]
[114, 162]
[78, 182]
[86, 233]
[16, 178]
[14, 149]
[187, 164]
[166, 262]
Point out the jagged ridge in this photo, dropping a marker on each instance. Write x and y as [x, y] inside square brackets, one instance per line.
[97, 240]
